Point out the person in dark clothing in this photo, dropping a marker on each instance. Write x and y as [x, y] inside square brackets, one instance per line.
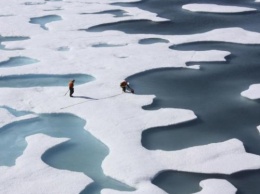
[71, 87]
[125, 86]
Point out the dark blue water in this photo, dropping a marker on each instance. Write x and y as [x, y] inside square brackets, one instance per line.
[106, 45]
[186, 183]
[213, 92]
[85, 152]
[152, 41]
[43, 80]
[115, 13]
[183, 21]
[42, 21]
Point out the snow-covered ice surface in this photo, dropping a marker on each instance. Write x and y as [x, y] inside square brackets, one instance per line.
[216, 8]
[216, 186]
[253, 92]
[55, 33]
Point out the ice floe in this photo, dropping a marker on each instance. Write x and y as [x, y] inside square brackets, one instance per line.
[222, 35]
[216, 186]
[253, 92]
[198, 7]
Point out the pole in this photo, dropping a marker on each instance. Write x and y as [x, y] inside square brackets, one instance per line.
[66, 92]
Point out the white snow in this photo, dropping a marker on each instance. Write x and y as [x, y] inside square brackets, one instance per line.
[222, 35]
[253, 92]
[199, 7]
[214, 158]
[194, 66]
[116, 119]
[216, 186]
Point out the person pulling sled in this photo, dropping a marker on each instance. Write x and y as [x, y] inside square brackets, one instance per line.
[125, 86]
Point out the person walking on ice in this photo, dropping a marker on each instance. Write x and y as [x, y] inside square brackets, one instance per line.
[71, 87]
[125, 86]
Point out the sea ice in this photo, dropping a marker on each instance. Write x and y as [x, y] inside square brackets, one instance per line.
[116, 119]
[253, 92]
[222, 35]
[216, 186]
[197, 7]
